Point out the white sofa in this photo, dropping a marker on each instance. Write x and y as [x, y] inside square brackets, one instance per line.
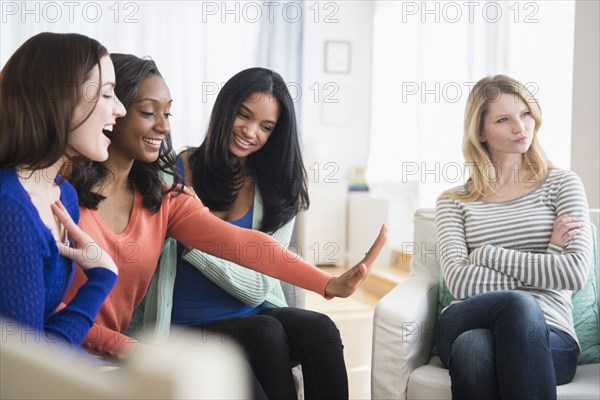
[404, 324]
[185, 368]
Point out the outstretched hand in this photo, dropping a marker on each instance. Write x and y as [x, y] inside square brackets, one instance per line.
[347, 283]
[85, 251]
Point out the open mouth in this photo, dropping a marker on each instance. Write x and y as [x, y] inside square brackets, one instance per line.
[107, 130]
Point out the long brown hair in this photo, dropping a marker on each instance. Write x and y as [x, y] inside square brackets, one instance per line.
[41, 84]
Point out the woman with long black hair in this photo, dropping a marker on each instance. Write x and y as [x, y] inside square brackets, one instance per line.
[249, 172]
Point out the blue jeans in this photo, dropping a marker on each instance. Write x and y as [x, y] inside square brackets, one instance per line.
[497, 345]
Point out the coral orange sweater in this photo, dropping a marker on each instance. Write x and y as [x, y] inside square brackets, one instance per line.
[136, 251]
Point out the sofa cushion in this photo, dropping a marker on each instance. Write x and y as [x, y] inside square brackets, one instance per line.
[432, 381]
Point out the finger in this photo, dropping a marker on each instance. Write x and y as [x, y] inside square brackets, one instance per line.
[66, 251]
[355, 271]
[353, 278]
[359, 277]
[380, 240]
[376, 247]
[565, 219]
[186, 189]
[569, 227]
[569, 234]
[362, 271]
[573, 225]
[63, 216]
[63, 209]
[76, 234]
[573, 232]
[190, 191]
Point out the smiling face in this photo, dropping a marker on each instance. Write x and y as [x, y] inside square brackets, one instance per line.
[253, 124]
[87, 139]
[508, 127]
[139, 136]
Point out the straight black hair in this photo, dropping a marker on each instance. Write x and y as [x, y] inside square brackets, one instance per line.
[277, 167]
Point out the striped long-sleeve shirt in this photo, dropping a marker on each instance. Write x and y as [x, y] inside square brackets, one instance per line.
[490, 246]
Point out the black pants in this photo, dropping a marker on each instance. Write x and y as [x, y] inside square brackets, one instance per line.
[276, 339]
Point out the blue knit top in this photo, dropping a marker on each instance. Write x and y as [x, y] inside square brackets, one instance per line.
[34, 276]
[196, 299]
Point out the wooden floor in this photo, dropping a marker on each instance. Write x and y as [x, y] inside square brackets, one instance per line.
[354, 318]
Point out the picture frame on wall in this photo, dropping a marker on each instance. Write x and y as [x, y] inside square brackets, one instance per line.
[337, 57]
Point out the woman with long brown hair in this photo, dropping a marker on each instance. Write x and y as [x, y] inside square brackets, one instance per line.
[50, 110]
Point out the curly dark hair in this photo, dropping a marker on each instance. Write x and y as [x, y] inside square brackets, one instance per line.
[87, 177]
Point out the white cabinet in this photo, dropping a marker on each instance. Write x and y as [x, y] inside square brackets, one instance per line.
[392, 204]
[321, 231]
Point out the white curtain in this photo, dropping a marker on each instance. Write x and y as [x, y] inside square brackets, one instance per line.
[427, 56]
[280, 47]
[197, 45]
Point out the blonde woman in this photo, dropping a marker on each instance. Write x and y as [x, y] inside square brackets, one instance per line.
[514, 241]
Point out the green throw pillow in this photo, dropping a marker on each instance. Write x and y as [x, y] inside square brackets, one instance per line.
[444, 296]
[585, 311]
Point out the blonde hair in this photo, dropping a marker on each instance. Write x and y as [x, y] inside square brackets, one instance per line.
[485, 92]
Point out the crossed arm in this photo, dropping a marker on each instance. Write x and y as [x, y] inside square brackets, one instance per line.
[564, 265]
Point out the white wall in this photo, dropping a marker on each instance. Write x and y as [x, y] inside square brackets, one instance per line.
[335, 120]
[196, 45]
[335, 125]
[585, 144]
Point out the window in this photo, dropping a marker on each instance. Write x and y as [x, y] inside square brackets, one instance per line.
[426, 58]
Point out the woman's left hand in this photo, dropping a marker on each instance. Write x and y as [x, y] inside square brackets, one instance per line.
[565, 227]
[347, 283]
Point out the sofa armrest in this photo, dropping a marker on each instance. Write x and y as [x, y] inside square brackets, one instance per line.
[403, 335]
[187, 367]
